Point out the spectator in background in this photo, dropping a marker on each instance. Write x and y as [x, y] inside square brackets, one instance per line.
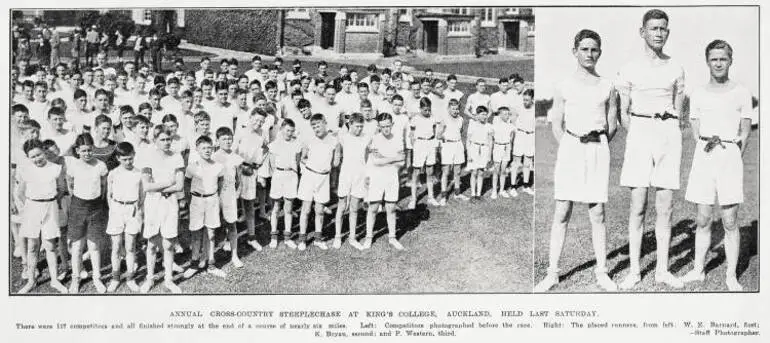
[24, 52]
[92, 45]
[55, 42]
[43, 50]
[77, 41]
[139, 48]
[120, 45]
[156, 46]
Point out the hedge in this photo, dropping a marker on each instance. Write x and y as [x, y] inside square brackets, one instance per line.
[250, 30]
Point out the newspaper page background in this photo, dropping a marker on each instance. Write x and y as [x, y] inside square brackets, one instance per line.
[633, 317]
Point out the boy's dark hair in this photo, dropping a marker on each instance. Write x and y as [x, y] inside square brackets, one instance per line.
[590, 34]
[317, 117]
[124, 149]
[366, 103]
[20, 108]
[31, 124]
[270, 85]
[169, 118]
[258, 112]
[362, 85]
[48, 143]
[384, 116]
[719, 44]
[126, 109]
[303, 103]
[398, 97]
[143, 106]
[480, 109]
[451, 77]
[201, 116]
[79, 93]
[287, 122]
[530, 92]
[356, 117]
[375, 78]
[32, 144]
[224, 131]
[140, 119]
[425, 102]
[203, 139]
[654, 14]
[55, 111]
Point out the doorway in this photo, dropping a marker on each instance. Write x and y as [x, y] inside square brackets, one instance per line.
[430, 28]
[327, 30]
[511, 29]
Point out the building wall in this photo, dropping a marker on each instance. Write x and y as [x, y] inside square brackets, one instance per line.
[488, 38]
[460, 45]
[244, 30]
[298, 32]
[359, 42]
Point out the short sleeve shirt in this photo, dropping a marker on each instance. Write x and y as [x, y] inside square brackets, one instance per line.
[40, 181]
[453, 128]
[651, 87]
[230, 161]
[285, 153]
[320, 152]
[502, 130]
[87, 178]
[720, 112]
[205, 176]
[125, 184]
[424, 127]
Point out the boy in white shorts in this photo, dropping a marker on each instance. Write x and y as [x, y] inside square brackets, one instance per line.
[162, 179]
[524, 144]
[385, 155]
[503, 132]
[124, 195]
[40, 184]
[423, 138]
[452, 150]
[314, 187]
[479, 149]
[228, 195]
[207, 178]
[721, 122]
[284, 158]
[651, 89]
[252, 147]
[351, 148]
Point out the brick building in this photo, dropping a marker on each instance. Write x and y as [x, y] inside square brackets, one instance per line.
[443, 31]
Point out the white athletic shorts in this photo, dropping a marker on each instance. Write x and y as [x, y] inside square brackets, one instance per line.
[524, 144]
[653, 154]
[452, 153]
[501, 153]
[248, 189]
[716, 175]
[582, 170]
[40, 219]
[228, 201]
[352, 182]
[161, 215]
[424, 153]
[284, 185]
[383, 185]
[314, 187]
[478, 155]
[123, 218]
[204, 212]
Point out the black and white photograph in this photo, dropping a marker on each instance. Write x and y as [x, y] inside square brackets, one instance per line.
[328, 150]
[647, 149]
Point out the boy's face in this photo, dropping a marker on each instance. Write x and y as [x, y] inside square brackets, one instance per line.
[481, 116]
[321, 69]
[375, 85]
[354, 76]
[130, 68]
[287, 132]
[208, 76]
[504, 86]
[367, 112]
[396, 83]
[197, 97]
[319, 127]
[255, 89]
[225, 142]
[304, 84]
[187, 103]
[305, 112]
[189, 81]
[272, 93]
[104, 130]
[397, 105]
[386, 126]
[363, 92]
[20, 117]
[52, 152]
[99, 77]
[655, 33]
[231, 88]
[224, 66]
[256, 121]
[155, 101]
[205, 64]
[454, 110]
[256, 64]
[76, 80]
[110, 85]
[415, 88]
[719, 62]
[272, 74]
[329, 94]
[425, 111]
[103, 103]
[127, 119]
[451, 84]
[263, 71]
[232, 69]
[146, 112]
[527, 101]
[126, 161]
[81, 103]
[142, 130]
[222, 96]
[505, 115]
[518, 86]
[86, 152]
[40, 93]
[241, 100]
[172, 89]
[480, 87]
[101, 59]
[243, 83]
[320, 88]
[57, 121]
[260, 104]
[32, 133]
[206, 89]
[425, 87]
[140, 83]
[122, 81]
[386, 78]
[203, 126]
[163, 142]
[356, 128]
[37, 156]
[171, 126]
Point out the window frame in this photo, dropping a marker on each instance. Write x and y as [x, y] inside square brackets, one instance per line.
[356, 27]
[298, 13]
[456, 33]
[492, 21]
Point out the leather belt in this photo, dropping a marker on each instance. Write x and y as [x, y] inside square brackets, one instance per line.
[591, 137]
[198, 195]
[662, 116]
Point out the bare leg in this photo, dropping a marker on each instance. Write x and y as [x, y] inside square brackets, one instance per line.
[93, 250]
[76, 265]
[599, 239]
[319, 222]
[635, 231]
[33, 247]
[702, 243]
[131, 262]
[168, 266]
[561, 216]
[663, 208]
[232, 235]
[117, 243]
[342, 205]
[304, 215]
[49, 246]
[390, 216]
[732, 246]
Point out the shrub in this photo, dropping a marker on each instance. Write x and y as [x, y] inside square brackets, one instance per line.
[252, 30]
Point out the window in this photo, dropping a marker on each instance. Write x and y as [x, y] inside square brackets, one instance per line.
[458, 10]
[459, 28]
[488, 17]
[405, 15]
[362, 22]
[512, 11]
[147, 16]
[298, 13]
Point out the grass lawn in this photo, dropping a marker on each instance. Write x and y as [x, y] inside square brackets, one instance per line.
[577, 260]
[494, 69]
[464, 247]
